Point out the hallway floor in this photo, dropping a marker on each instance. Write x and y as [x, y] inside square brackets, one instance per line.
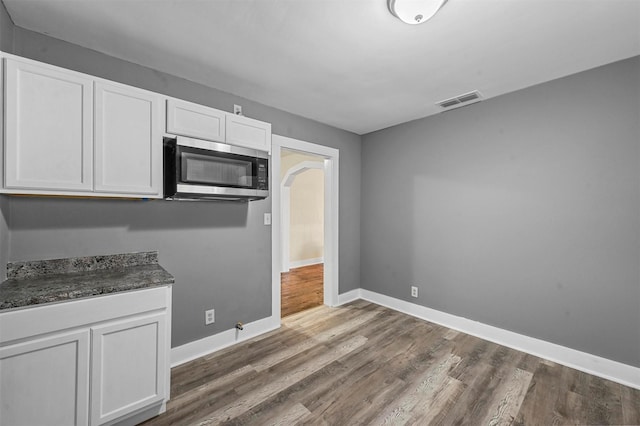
[301, 289]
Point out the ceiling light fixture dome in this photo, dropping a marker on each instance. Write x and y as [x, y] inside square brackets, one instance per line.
[414, 11]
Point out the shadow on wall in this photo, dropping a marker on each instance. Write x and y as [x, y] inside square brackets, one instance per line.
[52, 213]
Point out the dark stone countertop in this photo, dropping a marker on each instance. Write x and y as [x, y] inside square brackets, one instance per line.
[58, 280]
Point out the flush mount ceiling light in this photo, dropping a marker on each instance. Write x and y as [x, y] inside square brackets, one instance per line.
[414, 11]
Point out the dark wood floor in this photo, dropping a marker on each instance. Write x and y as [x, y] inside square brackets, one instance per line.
[301, 289]
[363, 364]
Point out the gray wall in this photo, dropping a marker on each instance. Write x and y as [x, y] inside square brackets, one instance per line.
[521, 211]
[220, 253]
[6, 30]
[6, 44]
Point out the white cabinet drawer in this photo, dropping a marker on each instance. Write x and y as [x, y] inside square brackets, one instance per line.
[29, 322]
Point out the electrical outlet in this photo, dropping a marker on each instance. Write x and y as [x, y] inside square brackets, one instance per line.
[237, 109]
[414, 291]
[209, 316]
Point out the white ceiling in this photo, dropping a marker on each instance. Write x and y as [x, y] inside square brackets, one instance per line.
[348, 63]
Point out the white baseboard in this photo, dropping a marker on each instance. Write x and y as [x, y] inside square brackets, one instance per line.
[305, 262]
[349, 296]
[592, 364]
[202, 347]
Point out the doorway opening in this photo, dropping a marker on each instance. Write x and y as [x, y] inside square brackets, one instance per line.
[317, 158]
[302, 230]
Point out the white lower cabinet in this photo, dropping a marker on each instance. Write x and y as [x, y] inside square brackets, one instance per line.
[129, 359]
[109, 366]
[45, 381]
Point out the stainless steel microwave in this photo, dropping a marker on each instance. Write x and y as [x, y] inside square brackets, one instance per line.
[201, 170]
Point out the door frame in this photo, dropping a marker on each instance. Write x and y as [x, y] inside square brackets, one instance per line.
[331, 235]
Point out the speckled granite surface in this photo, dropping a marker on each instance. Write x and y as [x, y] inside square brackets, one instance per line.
[57, 280]
[37, 268]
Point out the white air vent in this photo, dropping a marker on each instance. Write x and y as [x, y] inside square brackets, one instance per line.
[461, 100]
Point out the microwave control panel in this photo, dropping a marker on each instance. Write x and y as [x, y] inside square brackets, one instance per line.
[263, 173]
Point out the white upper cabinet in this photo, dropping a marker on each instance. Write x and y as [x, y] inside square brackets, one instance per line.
[201, 122]
[197, 121]
[48, 142]
[248, 132]
[68, 133]
[128, 128]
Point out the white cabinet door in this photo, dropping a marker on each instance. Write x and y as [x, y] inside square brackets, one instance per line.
[129, 366]
[128, 141]
[196, 121]
[48, 128]
[45, 381]
[248, 132]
